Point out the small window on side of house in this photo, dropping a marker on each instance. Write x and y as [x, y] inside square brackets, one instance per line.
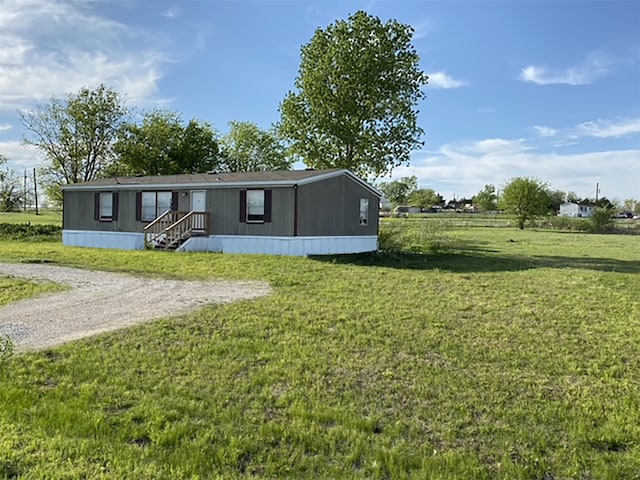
[364, 211]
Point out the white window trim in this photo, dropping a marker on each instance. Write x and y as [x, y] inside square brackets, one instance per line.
[364, 213]
[156, 204]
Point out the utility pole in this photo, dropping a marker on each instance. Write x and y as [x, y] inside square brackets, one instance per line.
[597, 191]
[24, 193]
[35, 189]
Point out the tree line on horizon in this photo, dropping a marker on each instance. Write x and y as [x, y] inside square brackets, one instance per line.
[354, 106]
[522, 197]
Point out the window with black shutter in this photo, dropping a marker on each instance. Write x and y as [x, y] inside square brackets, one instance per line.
[255, 206]
[105, 206]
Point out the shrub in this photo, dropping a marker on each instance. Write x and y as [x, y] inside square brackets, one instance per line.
[602, 221]
[415, 236]
[564, 223]
[26, 231]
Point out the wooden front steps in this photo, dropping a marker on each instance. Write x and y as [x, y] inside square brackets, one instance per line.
[173, 228]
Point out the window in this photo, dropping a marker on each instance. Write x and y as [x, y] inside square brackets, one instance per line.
[154, 204]
[105, 206]
[364, 211]
[255, 206]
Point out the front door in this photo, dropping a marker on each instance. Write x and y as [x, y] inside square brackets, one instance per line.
[199, 204]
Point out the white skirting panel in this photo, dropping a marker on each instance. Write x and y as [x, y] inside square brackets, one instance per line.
[296, 246]
[119, 240]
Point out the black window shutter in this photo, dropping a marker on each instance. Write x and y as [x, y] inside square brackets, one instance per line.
[96, 206]
[174, 201]
[267, 206]
[243, 206]
[138, 206]
[114, 213]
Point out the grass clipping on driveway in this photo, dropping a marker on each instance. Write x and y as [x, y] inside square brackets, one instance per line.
[516, 356]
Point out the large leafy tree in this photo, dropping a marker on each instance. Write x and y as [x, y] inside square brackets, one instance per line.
[247, 148]
[358, 87]
[399, 191]
[486, 200]
[425, 198]
[162, 145]
[556, 198]
[525, 199]
[76, 135]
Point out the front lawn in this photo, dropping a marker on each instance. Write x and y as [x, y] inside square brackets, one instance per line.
[508, 355]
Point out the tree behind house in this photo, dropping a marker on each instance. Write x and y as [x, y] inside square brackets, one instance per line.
[247, 148]
[162, 145]
[358, 86]
[76, 135]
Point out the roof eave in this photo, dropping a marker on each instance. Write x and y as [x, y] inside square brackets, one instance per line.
[219, 184]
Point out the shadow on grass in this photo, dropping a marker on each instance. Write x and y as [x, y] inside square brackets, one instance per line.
[479, 260]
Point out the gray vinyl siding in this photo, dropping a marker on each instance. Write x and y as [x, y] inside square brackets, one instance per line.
[224, 203]
[79, 207]
[328, 207]
[332, 207]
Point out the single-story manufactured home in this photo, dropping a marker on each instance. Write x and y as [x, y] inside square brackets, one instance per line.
[296, 212]
[570, 209]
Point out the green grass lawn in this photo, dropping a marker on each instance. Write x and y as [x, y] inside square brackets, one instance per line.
[511, 355]
[44, 217]
[12, 289]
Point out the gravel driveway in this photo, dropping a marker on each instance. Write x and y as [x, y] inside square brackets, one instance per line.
[100, 302]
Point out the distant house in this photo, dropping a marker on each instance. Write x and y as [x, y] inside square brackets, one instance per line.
[298, 212]
[574, 210]
[407, 209]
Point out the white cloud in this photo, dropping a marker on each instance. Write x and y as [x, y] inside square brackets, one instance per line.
[444, 80]
[172, 13]
[601, 128]
[542, 76]
[608, 128]
[424, 28]
[55, 47]
[545, 131]
[593, 67]
[498, 145]
[5, 126]
[463, 169]
[20, 156]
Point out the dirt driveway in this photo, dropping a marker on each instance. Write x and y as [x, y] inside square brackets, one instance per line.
[100, 302]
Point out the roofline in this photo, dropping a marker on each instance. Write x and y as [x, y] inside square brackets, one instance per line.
[163, 186]
[218, 184]
[337, 173]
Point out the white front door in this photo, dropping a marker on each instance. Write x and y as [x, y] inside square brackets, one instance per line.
[199, 204]
[198, 201]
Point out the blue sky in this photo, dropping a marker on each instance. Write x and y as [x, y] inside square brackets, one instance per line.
[547, 89]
